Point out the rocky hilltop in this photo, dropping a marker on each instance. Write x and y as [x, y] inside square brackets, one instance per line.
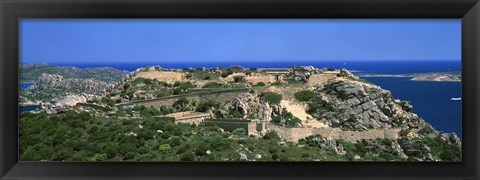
[301, 107]
[31, 72]
[51, 86]
[355, 105]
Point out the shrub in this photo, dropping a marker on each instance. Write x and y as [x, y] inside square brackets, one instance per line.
[271, 97]
[290, 120]
[181, 102]
[212, 85]
[271, 135]
[260, 84]
[107, 101]
[204, 106]
[143, 80]
[187, 156]
[277, 84]
[305, 95]
[342, 95]
[165, 147]
[239, 131]
[224, 74]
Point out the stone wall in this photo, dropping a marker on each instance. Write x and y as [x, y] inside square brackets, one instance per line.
[218, 95]
[189, 120]
[295, 134]
[316, 79]
[231, 124]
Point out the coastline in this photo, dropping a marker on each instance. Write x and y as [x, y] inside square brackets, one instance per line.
[432, 76]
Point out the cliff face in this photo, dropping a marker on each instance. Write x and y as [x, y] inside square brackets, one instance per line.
[354, 105]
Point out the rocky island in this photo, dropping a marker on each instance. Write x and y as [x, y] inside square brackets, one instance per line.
[453, 76]
[300, 113]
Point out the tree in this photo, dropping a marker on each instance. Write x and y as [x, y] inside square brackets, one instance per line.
[224, 74]
[305, 95]
[204, 106]
[181, 103]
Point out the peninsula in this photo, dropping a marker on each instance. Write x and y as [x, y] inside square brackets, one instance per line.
[300, 113]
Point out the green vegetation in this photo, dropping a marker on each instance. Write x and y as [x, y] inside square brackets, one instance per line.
[442, 149]
[181, 104]
[82, 137]
[287, 119]
[271, 97]
[277, 83]
[342, 95]
[31, 72]
[108, 101]
[184, 85]
[200, 74]
[224, 74]
[204, 106]
[259, 84]
[142, 81]
[305, 95]
[214, 85]
[317, 105]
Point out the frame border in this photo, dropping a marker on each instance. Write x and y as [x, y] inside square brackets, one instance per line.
[12, 10]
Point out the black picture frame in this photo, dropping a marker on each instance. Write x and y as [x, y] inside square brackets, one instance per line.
[12, 10]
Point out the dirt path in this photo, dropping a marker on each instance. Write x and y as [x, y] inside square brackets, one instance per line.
[298, 110]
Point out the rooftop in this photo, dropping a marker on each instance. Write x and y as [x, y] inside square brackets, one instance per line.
[185, 114]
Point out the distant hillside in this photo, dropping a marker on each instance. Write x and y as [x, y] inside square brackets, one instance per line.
[31, 72]
[51, 86]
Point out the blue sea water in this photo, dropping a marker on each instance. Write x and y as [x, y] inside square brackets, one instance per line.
[431, 100]
[23, 108]
[23, 86]
[390, 67]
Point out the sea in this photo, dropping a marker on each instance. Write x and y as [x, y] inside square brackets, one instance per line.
[430, 100]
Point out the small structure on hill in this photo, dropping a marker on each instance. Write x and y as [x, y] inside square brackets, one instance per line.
[188, 117]
[135, 114]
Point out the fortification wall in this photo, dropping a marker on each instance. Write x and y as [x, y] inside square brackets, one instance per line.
[295, 134]
[218, 95]
[231, 125]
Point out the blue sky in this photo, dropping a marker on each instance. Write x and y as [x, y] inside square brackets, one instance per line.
[190, 40]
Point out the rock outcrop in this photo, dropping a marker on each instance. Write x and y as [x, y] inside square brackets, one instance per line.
[265, 112]
[69, 100]
[51, 86]
[54, 81]
[350, 103]
[31, 72]
[354, 105]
